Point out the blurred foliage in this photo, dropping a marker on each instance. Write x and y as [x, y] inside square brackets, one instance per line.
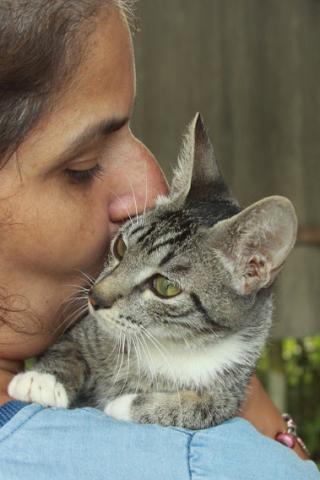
[300, 366]
[28, 364]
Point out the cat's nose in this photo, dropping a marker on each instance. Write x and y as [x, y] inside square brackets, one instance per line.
[97, 301]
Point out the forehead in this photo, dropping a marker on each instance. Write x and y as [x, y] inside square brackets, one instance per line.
[103, 86]
[106, 73]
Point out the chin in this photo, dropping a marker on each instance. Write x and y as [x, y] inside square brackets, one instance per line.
[165, 333]
[110, 323]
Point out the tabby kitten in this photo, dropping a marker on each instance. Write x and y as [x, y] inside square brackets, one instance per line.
[181, 310]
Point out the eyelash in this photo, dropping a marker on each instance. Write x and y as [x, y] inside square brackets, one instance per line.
[84, 176]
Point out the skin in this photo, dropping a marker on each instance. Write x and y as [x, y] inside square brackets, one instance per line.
[53, 227]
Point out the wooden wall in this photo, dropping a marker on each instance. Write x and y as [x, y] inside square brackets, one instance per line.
[252, 67]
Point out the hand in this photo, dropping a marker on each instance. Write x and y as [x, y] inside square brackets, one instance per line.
[259, 410]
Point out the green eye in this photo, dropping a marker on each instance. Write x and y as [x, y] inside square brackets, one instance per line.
[119, 248]
[165, 287]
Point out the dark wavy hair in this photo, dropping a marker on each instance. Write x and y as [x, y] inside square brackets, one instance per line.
[41, 44]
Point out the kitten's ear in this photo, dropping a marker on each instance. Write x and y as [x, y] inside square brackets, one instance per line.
[197, 176]
[256, 242]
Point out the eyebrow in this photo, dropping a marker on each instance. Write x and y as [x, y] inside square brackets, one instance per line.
[90, 133]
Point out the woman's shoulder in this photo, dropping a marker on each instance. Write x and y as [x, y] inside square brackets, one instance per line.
[84, 443]
[46, 443]
[244, 453]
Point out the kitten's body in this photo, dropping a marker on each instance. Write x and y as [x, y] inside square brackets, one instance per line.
[185, 360]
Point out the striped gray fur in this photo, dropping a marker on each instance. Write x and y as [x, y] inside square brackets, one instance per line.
[183, 361]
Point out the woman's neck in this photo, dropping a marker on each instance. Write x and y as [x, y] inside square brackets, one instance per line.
[8, 368]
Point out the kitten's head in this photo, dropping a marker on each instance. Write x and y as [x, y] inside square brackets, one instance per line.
[195, 266]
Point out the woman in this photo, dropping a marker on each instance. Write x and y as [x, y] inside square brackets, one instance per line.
[69, 167]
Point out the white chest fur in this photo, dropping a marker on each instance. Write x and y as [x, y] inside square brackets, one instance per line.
[198, 367]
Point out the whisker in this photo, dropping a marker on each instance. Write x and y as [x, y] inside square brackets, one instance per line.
[128, 359]
[119, 198]
[88, 277]
[152, 373]
[123, 339]
[74, 311]
[69, 301]
[118, 346]
[161, 349]
[134, 196]
[125, 342]
[79, 289]
[146, 189]
[111, 354]
[138, 357]
[68, 321]
[141, 350]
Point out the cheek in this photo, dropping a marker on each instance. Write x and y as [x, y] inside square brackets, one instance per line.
[82, 235]
[82, 232]
[61, 234]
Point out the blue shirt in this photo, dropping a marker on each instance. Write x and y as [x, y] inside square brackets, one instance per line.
[39, 443]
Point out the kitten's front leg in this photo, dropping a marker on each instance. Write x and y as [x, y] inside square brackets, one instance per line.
[55, 379]
[187, 409]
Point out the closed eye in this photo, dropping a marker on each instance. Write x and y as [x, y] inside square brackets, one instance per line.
[84, 176]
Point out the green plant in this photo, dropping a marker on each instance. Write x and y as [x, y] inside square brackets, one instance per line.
[298, 360]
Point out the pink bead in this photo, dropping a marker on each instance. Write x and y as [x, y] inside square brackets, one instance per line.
[287, 439]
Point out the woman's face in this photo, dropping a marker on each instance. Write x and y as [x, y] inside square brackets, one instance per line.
[56, 218]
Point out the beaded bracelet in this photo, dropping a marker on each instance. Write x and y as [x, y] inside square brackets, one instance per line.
[290, 438]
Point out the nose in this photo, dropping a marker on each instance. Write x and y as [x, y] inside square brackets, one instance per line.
[98, 301]
[138, 184]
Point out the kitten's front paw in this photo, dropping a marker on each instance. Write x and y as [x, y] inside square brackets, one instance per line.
[38, 387]
[120, 408]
